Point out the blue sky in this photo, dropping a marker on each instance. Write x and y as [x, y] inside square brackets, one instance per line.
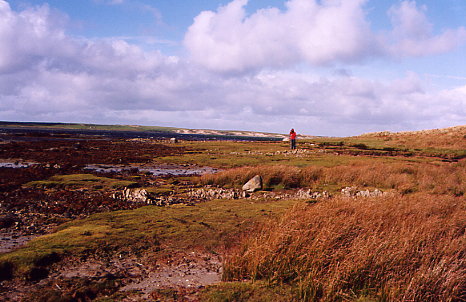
[330, 67]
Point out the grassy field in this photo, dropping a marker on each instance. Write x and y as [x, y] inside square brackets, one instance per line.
[80, 181]
[407, 245]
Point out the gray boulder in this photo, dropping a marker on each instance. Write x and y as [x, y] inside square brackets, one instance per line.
[136, 195]
[253, 184]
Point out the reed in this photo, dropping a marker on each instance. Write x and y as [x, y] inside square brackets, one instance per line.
[438, 178]
[397, 248]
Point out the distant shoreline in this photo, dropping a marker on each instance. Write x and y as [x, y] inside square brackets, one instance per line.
[26, 132]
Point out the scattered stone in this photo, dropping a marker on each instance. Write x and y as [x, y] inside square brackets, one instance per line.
[217, 193]
[133, 195]
[354, 192]
[253, 184]
[142, 196]
[308, 194]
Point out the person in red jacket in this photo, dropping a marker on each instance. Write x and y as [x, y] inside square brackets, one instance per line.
[292, 139]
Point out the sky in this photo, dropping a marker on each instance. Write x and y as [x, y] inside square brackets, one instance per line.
[327, 67]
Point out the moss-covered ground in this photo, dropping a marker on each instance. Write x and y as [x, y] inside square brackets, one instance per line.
[209, 226]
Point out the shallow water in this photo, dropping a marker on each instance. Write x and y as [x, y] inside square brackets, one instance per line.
[155, 170]
[10, 241]
[16, 164]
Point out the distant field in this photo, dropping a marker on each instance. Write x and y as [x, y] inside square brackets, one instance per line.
[179, 132]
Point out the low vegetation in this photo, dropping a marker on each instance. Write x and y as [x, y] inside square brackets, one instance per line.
[435, 178]
[81, 181]
[394, 248]
[447, 138]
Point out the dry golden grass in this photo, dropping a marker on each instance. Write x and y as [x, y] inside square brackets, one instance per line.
[448, 138]
[439, 178]
[397, 248]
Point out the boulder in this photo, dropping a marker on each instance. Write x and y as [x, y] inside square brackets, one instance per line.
[253, 184]
[7, 220]
[136, 195]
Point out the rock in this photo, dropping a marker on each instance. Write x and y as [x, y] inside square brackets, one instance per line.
[7, 220]
[349, 191]
[136, 195]
[354, 192]
[365, 193]
[253, 184]
[217, 193]
[173, 140]
[6, 271]
[142, 196]
[308, 194]
[37, 273]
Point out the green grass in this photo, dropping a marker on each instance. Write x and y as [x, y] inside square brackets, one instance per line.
[247, 291]
[259, 291]
[80, 180]
[211, 226]
[224, 154]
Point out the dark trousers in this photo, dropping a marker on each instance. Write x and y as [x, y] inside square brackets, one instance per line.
[292, 144]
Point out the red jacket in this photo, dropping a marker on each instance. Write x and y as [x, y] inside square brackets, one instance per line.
[292, 135]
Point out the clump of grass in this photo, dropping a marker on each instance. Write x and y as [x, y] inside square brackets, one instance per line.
[272, 176]
[81, 180]
[404, 177]
[244, 291]
[395, 248]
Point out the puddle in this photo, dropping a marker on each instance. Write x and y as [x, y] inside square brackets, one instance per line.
[155, 170]
[16, 164]
[10, 241]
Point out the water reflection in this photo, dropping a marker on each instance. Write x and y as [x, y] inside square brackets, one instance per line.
[155, 170]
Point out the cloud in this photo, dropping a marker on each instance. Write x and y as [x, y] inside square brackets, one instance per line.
[229, 40]
[412, 33]
[29, 35]
[316, 32]
[62, 78]
[110, 2]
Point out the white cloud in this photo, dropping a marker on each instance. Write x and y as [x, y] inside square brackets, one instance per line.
[413, 35]
[61, 78]
[229, 40]
[28, 35]
[316, 32]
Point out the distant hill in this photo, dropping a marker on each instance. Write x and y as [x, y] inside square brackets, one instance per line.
[448, 138]
[78, 126]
